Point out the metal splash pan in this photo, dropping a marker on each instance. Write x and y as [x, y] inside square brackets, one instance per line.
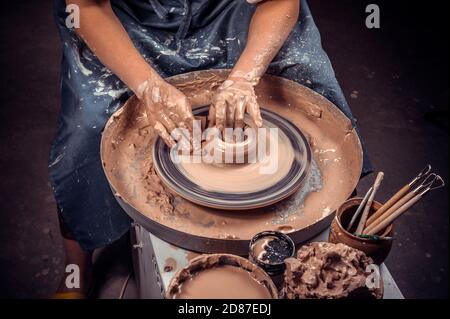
[336, 161]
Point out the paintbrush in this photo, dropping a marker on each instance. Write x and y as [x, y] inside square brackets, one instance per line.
[360, 208]
[365, 214]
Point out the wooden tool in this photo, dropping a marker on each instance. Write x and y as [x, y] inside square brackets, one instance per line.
[362, 221]
[359, 209]
[388, 220]
[385, 214]
[429, 179]
[394, 199]
[392, 214]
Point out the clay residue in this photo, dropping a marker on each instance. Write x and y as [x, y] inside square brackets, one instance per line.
[259, 248]
[170, 264]
[271, 250]
[221, 276]
[328, 271]
[157, 195]
[291, 207]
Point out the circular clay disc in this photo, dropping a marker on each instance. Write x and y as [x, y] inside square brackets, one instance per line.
[240, 186]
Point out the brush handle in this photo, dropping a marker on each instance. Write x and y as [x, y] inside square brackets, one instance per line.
[402, 192]
[360, 208]
[385, 223]
[391, 210]
[365, 214]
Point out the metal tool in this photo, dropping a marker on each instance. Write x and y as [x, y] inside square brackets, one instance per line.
[424, 189]
[427, 182]
[402, 192]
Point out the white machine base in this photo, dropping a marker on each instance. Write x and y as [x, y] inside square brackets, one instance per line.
[150, 254]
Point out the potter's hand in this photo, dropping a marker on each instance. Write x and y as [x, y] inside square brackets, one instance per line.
[235, 97]
[167, 108]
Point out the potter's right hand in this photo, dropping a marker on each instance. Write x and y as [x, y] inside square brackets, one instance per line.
[167, 107]
[235, 97]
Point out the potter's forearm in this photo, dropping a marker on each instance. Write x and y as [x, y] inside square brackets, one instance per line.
[270, 26]
[106, 37]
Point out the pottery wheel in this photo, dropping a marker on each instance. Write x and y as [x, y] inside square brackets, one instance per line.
[336, 162]
[237, 186]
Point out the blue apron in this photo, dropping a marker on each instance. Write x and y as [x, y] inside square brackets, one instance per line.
[172, 38]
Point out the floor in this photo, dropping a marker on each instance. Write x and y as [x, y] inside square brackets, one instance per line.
[395, 79]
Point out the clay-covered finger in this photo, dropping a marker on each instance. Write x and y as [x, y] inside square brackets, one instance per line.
[176, 132]
[221, 110]
[186, 114]
[184, 135]
[229, 116]
[211, 116]
[189, 122]
[185, 129]
[178, 122]
[240, 112]
[199, 125]
[252, 108]
[162, 132]
[183, 139]
[165, 120]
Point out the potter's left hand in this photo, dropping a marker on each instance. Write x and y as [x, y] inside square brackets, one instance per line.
[167, 108]
[235, 97]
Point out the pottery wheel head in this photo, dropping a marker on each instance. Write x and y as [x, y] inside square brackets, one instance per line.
[274, 162]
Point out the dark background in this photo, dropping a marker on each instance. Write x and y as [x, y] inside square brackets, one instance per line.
[395, 79]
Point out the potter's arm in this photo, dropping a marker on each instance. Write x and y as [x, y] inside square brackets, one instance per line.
[270, 26]
[167, 108]
[106, 37]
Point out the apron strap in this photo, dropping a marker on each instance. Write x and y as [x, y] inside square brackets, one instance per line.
[185, 22]
[163, 14]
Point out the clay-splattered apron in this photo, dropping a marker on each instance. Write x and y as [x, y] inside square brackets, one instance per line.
[174, 36]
